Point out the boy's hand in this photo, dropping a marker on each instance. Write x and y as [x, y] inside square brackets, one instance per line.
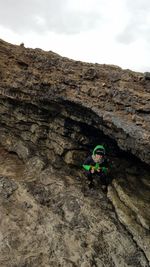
[92, 170]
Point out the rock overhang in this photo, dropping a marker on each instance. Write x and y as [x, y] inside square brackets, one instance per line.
[113, 100]
[53, 108]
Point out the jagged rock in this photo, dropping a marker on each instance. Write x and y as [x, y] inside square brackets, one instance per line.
[41, 92]
[132, 205]
[74, 157]
[7, 187]
[54, 111]
[51, 221]
[147, 75]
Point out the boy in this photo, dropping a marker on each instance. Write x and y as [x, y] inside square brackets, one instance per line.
[97, 164]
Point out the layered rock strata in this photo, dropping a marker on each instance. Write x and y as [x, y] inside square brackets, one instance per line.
[52, 112]
[39, 88]
[49, 219]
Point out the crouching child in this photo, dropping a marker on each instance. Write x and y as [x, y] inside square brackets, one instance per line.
[97, 164]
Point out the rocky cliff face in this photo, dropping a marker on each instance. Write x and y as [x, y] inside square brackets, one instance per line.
[53, 111]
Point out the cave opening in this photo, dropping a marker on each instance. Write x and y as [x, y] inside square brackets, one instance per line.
[87, 128]
[68, 126]
[124, 163]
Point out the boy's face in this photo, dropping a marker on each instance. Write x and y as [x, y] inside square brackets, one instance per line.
[98, 156]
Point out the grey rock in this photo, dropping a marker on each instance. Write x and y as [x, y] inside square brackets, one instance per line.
[7, 186]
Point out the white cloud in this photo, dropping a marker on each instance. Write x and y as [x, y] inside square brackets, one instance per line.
[115, 32]
[138, 24]
[39, 20]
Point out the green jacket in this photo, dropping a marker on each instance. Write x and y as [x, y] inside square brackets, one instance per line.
[89, 163]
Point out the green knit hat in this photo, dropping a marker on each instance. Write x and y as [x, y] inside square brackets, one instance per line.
[100, 149]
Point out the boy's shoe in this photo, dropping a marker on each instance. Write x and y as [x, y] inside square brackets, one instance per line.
[91, 185]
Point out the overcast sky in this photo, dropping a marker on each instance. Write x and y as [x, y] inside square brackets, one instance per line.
[99, 31]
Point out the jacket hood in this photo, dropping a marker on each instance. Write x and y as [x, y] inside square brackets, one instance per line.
[98, 147]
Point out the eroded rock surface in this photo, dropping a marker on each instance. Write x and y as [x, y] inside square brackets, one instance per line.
[53, 220]
[53, 111]
[42, 91]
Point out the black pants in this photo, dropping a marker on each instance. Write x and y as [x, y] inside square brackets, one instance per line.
[104, 179]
